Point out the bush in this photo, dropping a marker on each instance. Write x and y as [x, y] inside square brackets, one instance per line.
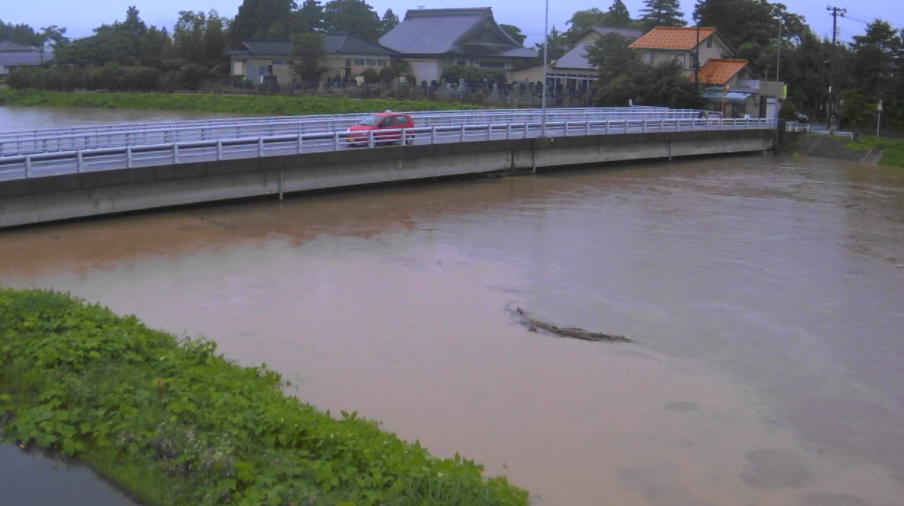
[190, 76]
[370, 75]
[789, 111]
[387, 74]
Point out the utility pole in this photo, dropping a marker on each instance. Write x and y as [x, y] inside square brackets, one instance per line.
[697, 62]
[545, 78]
[836, 11]
[778, 59]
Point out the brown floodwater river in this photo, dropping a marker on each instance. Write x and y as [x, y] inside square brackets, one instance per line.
[764, 295]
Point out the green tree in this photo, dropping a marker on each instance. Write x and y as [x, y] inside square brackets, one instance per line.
[662, 13]
[389, 21]
[557, 45]
[618, 14]
[306, 53]
[610, 55]
[257, 18]
[310, 15]
[513, 32]
[215, 40]
[188, 36]
[354, 16]
[581, 21]
[19, 34]
[749, 21]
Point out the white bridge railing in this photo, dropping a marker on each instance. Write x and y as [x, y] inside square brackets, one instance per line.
[95, 137]
[190, 151]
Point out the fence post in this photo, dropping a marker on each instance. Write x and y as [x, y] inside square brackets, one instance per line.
[128, 157]
[335, 141]
[606, 130]
[300, 143]
[508, 131]
[490, 131]
[587, 127]
[219, 150]
[260, 146]
[644, 128]
[78, 161]
[175, 153]
[370, 138]
[27, 165]
[462, 136]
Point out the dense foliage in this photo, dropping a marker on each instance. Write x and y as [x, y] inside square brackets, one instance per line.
[262, 104]
[123, 397]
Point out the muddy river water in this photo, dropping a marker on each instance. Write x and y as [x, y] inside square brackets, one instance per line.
[764, 295]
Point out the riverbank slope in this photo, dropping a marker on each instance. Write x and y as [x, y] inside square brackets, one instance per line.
[273, 105]
[174, 423]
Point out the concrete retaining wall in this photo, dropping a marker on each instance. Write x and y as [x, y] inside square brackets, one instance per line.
[91, 194]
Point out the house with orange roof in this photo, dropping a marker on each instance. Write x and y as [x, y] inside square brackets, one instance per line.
[729, 85]
[680, 44]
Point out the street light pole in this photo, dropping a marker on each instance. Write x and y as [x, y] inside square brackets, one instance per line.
[545, 59]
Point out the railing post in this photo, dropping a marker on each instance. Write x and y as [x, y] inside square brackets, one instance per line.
[490, 131]
[586, 127]
[606, 129]
[128, 157]
[300, 143]
[644, 128]
[462, 135]
[78, 161]
[219, 150]
[27, 166]
[175, 153]
[335, 141]
[370, 138]
[508, 131]
[433, 135]
[260, 146]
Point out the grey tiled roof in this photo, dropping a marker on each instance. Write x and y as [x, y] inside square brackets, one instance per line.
[333, 43]
[12, 46]
[577, 59]
[446, 31]
[11, 59]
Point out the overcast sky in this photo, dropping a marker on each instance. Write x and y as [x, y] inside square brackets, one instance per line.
[81, 17]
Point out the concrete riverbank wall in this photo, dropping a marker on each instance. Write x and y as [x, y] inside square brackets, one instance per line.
[45, 199]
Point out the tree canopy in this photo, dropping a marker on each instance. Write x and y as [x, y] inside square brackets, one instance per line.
[662, 13]
[354, 16]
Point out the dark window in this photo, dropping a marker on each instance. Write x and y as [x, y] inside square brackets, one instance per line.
[709, 42]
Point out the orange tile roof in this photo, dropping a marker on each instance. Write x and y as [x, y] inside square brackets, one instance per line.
[672, 37]
[719, 71]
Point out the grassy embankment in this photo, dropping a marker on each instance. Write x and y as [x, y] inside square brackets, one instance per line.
[174, 423]
[893, 154]
[271, 105]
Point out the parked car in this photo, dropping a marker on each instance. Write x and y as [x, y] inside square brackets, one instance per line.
[803, 118]
[393, 122]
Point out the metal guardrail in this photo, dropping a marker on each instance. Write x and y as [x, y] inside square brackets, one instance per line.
[44, 141]
[794, 126]
[173, 153]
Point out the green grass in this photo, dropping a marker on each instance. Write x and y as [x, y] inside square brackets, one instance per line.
[271, 105]
[893, 154]
[173, 422]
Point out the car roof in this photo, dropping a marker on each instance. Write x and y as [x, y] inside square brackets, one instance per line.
[389, 114]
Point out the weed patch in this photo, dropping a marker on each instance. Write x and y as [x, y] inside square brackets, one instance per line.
[893, 154]
[176, 423]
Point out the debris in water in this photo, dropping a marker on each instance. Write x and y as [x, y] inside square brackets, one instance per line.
[534, 325]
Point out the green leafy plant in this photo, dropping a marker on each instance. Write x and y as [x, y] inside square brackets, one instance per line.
[174, 422]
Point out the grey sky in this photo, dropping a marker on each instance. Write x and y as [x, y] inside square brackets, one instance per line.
[81, 17]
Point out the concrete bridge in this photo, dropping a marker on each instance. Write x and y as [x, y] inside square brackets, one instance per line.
[49, 175]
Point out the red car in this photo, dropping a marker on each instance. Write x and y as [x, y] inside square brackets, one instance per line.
[381, 121]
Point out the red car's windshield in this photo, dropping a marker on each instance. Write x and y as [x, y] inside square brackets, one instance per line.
[372, 120]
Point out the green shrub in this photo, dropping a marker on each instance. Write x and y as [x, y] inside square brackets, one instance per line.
[176, 423]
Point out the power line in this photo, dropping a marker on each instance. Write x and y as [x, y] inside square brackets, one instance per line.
[836, 11]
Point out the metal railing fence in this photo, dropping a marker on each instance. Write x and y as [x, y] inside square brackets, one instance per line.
[173, 153]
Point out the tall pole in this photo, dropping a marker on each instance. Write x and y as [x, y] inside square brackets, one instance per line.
[545, 59]
[836, 11]
[697, 62]
[778, 59]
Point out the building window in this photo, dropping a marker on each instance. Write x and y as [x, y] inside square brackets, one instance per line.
[382, 63]
[262, 70]
[709, 43]
[491, 64]
[371, 62]
[461, 62]
[359, 62]
[648, 57]
[680, 58]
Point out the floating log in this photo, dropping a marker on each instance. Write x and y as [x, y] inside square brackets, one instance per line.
[534, 325]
